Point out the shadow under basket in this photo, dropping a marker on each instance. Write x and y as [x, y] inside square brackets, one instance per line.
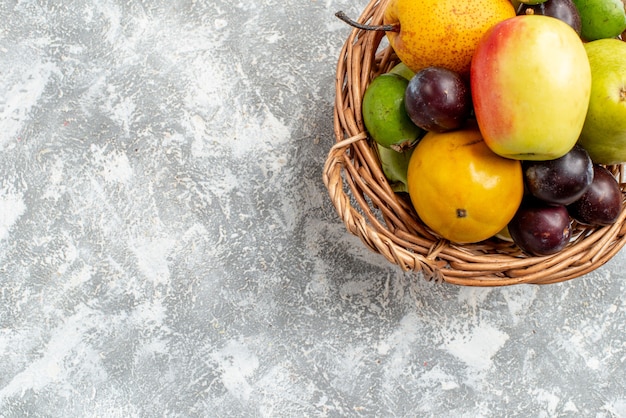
[386, 222]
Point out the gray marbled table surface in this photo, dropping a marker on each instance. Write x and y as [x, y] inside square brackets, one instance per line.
[168, 248]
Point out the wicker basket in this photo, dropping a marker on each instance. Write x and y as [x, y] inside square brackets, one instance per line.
[386, 222]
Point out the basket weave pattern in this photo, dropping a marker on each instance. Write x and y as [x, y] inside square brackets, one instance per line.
[387, 223]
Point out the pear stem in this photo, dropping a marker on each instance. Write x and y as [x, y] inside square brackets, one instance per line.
[385, 28]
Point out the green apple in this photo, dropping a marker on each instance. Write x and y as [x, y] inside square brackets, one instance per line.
[604, 131]
[530, 82]
[384, 115]
[601, 19]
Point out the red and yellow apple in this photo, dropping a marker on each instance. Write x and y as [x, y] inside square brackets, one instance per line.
[531, 82]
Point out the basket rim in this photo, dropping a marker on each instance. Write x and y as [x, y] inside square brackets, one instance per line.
[384, 221]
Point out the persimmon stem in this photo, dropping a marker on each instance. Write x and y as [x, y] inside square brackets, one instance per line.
[385, 28]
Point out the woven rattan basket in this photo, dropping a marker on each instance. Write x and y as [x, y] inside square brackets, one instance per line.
[386, 222]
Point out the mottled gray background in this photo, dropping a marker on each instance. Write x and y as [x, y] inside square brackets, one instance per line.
[167, 246]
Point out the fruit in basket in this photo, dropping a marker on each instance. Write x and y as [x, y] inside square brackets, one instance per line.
[530, 83]
[601, 19]
[560, 181]
[539, 228]
[604, 131]
[460, 189]
[438, 99]
[601, 203]
[441, 32]
[564, 10]
[401, 69]
[384, 114]
[504, 234]
[395, 165]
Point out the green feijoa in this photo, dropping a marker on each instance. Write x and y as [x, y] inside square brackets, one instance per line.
[601, 19]
[384, 114]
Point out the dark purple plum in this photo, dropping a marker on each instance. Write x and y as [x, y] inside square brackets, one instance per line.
[601, 204]
[560, 181]
[564, 10]
[539, 228]
[438, 99]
